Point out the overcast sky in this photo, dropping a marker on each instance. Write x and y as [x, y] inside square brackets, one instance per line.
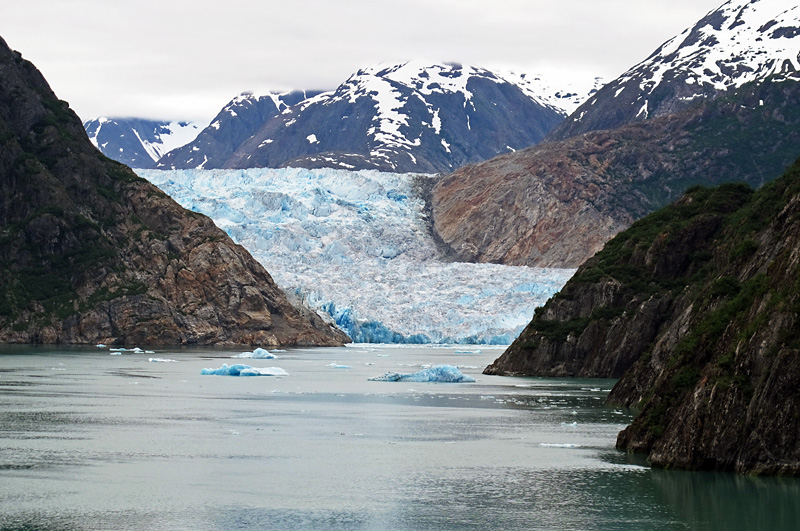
[186, 58]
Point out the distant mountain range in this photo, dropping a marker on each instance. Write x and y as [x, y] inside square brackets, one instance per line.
[136, 142]
[408, 117]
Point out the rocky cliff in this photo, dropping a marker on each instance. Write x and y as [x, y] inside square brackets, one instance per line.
[555, 204]
[91, 253]
[696, 309]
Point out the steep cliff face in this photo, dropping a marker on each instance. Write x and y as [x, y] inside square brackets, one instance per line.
[557, 203]
[696, 308]
[89, 252]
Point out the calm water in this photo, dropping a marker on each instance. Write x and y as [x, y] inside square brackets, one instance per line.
[94, 441]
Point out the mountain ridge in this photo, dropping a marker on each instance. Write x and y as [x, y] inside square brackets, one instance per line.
[740, 42]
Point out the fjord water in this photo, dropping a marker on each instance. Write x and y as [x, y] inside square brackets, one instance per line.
[90, 440]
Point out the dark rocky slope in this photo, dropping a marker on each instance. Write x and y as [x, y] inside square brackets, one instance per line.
[91, 253]
[697, 308]
[557, 203]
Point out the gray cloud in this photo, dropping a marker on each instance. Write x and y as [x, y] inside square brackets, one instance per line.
[185, 59]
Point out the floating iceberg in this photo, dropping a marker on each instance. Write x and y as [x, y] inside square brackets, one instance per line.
[258, 354]
[162, 360]
[438, 373]
[244, 370]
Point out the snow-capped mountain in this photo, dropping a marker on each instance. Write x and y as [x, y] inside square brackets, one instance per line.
[356, 245]
[137, 142]
[740, 42]
[240, 119]
[414, 116]
[563, 95]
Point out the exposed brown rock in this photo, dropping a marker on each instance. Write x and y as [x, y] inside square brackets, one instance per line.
[557, 203]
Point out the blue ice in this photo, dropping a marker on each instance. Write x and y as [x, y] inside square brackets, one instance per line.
[437, 373]
[244, 370]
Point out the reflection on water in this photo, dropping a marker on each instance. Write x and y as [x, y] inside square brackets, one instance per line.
[93, 441]
[723, 501]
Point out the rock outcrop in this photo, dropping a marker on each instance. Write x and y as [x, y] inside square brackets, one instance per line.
[555, 204]
[89, 252]
[696, 308]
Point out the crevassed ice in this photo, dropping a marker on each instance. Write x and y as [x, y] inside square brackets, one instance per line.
[354, 245]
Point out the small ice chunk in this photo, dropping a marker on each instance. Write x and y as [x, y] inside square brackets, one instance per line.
[337, 366]
[259, 353]
[438, 373]
[244, 370]
[100, 345]
[162, 360]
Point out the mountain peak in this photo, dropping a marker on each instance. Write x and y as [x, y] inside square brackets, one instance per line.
[742, 41]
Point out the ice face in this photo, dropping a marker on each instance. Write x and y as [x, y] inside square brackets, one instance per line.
[438, 373]
[355, 246]
[244, 370]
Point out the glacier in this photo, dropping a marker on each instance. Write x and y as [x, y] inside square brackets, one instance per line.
[437, 374]
[355, 246]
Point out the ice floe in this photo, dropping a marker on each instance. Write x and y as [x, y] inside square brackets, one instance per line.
[438, 373]
[244, 370]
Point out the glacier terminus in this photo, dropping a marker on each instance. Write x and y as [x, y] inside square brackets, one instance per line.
[355, 246]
